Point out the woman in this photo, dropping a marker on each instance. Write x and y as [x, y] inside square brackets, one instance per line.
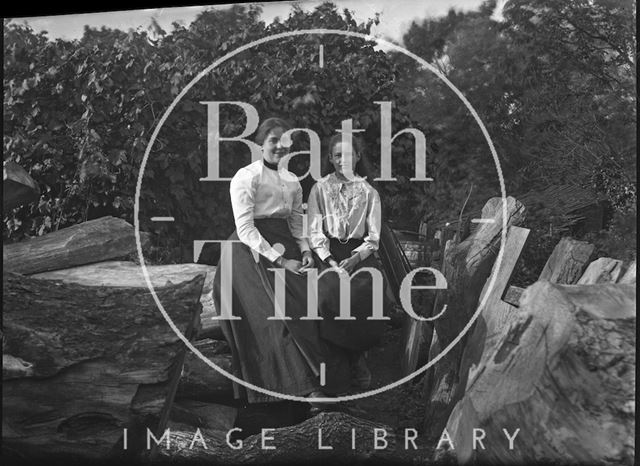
[279, 355]
[345, 215]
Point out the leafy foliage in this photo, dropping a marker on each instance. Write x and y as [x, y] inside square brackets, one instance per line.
[554, 84]
[79, 114]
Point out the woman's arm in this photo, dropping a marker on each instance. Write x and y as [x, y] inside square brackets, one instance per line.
[295, 221]
[242, 202]
[295, 226]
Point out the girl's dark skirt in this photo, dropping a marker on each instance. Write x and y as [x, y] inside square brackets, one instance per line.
[359, 334]
[279, 355]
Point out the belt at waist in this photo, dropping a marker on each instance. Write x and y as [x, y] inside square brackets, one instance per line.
[352, 242]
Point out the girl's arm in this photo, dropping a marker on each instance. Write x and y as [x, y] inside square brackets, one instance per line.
[374, 225]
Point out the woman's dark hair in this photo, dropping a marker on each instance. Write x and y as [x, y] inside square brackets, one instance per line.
[269, 124]
[362, 168]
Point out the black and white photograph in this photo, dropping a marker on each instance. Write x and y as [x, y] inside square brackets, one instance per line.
[320, 232]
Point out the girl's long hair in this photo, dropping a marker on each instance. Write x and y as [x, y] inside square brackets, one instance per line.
[362, 168]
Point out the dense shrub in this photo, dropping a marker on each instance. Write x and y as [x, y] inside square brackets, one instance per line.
[554, 83]
[79, 115]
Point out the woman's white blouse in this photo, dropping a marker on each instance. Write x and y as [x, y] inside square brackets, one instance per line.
[344, 210]
[260, 192]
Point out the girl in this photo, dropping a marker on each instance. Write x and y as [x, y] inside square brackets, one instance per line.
[345, 217]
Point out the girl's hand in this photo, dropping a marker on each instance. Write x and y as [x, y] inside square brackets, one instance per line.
[307, 259]
[333, 263]
[349, 264]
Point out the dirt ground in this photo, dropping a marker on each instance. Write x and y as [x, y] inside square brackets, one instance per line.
[398, 408]
[401, 407]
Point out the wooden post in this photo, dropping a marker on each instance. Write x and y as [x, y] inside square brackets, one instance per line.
[466, 266]
[567, 262]
[630, 275]
[496, 311]
[602, 270]
[393, 259]
[416, 335]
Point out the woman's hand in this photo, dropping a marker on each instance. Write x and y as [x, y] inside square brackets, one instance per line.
[307, 260]
[349, 264]
[289, 264]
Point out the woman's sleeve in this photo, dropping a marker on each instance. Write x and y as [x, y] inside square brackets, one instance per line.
[296, 222]
[242, 202]
[374, 225]
[317, 238]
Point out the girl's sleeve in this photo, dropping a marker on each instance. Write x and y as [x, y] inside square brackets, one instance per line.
[374, 225]
[296, 222]
[242, 202]
[319, 242]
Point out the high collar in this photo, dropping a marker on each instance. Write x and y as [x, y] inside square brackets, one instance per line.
[346, 181]
[269, 165]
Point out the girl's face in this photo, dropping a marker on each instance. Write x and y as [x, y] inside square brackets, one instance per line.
[339, 157]
[272, 147]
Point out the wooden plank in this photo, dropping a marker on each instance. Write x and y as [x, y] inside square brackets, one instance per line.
[416, 252]
[497, 307]
[89, 242]
[466, 266]
[416, 335]
[497, 311]
[630, 275]
[567, 262]
[393, 259]
[602, 270]
[417, 340]
[18, 187]
[514, 244]
[434, 346]
[424, 230]
[512, 295]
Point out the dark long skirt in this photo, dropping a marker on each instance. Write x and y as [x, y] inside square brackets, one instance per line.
[359, 334]
[279, 355]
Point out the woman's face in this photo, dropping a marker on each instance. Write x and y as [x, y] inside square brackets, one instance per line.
[339, 157]
[272, 148]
